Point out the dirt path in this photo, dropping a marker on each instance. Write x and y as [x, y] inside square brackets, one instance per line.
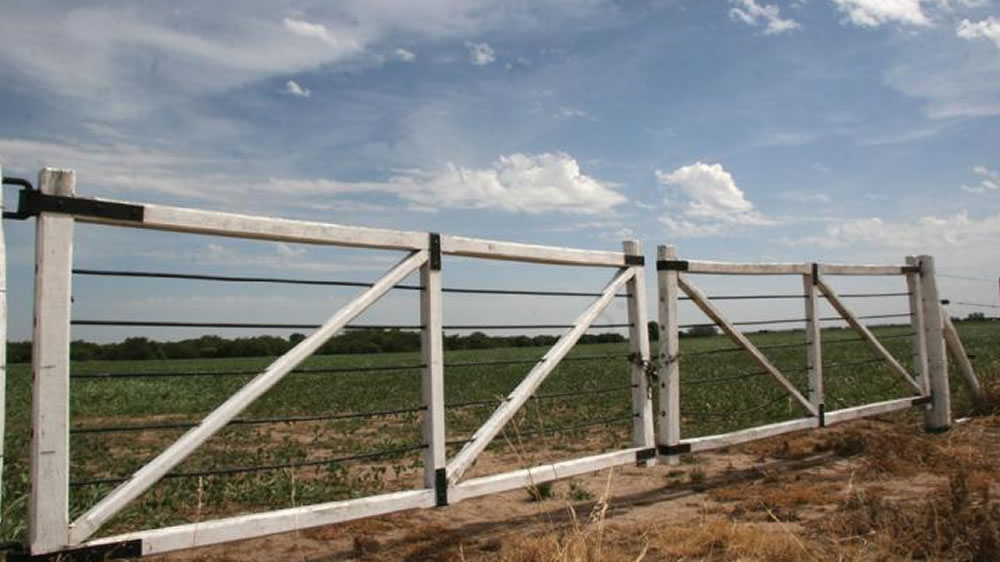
[865, 490]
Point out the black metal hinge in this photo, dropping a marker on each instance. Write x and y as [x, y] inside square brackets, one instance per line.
[434, 248]
[441, 487]
[634, 260]
[821, 414]
[31, 202]
[678, 449]
[671, 265]
[643, 455]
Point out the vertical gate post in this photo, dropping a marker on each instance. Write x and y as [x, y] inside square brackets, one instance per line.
[48, 507]
[3, 343]
[642, 405]
[668, 434]
[915, 288]
[432, 345]
[814, 342]
[938, 416]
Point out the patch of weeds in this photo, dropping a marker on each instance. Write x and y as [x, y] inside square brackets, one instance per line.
[689, 459]
[540, 492]
[578, 493]
[697, 478]
[675, 473]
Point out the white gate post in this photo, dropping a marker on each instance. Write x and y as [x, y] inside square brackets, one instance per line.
[642, 404]
[432, 345]
[915, 288]
[814, 343]
[938, 416]
[48, 508]
[668, 434]
[3, 343]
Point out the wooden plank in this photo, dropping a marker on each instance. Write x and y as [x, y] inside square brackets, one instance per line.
[191, 535]
[668, 428]
[954, 344]
[873, 343]
[916, 298]
[747, 268]
[642, 404]
[835, 269]
[535, 475]
[48, 505]
[149, 474]
[938, 416]
[709, 309]
[867, 410]
[180, 219]
[814, 342]
[432, 345]
[709, 442]
[510, 251]
[503, 414]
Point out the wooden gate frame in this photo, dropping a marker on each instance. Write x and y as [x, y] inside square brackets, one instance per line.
[57, 208]
[930, 385]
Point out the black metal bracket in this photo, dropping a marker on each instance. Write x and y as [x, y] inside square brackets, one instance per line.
[670, 450]
[441, 487]
[643, 455]
[821, 414]
[912, 269]
[97, 553]
[919, 400]
[634, 260]
[671, 265]
[24, 184]
[435, 250]
[815, 273]
[31, 203]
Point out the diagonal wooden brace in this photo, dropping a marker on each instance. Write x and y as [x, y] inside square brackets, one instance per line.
[716, 315]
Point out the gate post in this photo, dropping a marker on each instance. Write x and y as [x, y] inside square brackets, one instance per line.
[938, 416]
[48, 507]
[917, 321]
[432, 345]
[814, 342]
[668, 434]
[3, 344]
[642, 404]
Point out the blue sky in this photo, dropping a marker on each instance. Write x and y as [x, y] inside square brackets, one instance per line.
[749, 130]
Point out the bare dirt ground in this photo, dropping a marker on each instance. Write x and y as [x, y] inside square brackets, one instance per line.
[877, 489]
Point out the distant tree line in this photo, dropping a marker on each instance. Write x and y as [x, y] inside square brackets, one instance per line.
[352, 341]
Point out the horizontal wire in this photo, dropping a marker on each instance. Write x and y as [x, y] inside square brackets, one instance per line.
[606, 421]
[853, 363]
[292, 281]
[241, 325]
[737, 413]
[795, 296]
[591, 357]
[966, 278]
[979, 304]
[258, 468]
[713, 380]
[302, 371]
[247, 421]
[792, 345]
[498, 401]
[791, 320]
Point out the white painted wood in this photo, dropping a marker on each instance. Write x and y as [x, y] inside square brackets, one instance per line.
[668, 415]
[938, 416]
[709, 309]
[958, 355]
[180, 219]
[535, 475]
[48, 506]
[867, 410]
[834, 269]
[149, 474]
[432, 345]
[814, 342]
[709, 442]
[503, 414]
[642, 404]
[747, 268]
[3, 341]
[873, 343]
[916, 298]
[496, 250]
[190, 535]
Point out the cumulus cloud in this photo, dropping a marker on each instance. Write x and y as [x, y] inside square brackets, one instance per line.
[294, 88]
[404, 55]
[929, 232]
[873, 13]
[989, 180]
[481, 54]
[753, 14]
[988, 29]
[709, 202]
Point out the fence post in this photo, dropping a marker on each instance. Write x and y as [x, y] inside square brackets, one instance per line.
[668, 435]
[642, 405]
[915, 288]
[814, 343]
[432, 345]
[3, 343]
[938, 416]
[48, 507]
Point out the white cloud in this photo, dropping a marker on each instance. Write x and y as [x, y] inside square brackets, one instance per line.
[567, 112]
[404, 55]
[984, 171]
[292, 87]
[872, 13]
[987, 183]
[986, 29]
[806, 197]
[481, 54]
[923, 234]
[752, 13]
[710, 204]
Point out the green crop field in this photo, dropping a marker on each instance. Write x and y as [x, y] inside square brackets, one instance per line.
[583, 408]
